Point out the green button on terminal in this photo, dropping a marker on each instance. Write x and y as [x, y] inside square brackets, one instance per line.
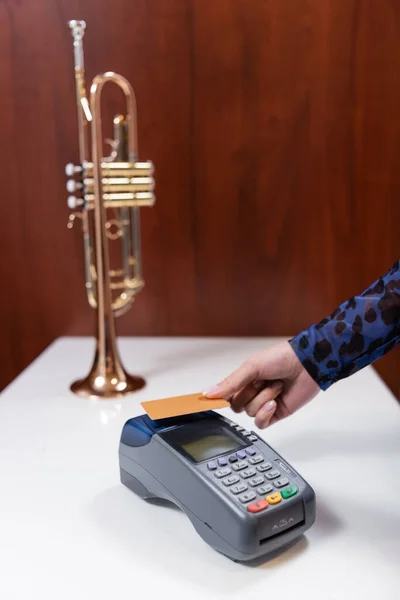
[289, 491]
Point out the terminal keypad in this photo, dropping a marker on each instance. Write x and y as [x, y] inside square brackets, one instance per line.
[253, 481]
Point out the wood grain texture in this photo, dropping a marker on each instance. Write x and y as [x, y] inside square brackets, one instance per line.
[274, 128]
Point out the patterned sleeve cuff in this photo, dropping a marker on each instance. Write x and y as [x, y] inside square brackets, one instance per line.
[356, 334]
[310, 360]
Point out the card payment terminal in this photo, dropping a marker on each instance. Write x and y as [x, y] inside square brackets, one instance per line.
[242, 498]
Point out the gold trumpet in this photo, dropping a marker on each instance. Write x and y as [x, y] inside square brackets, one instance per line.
[119, 184]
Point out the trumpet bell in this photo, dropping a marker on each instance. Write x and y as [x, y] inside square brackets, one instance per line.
[111, 383]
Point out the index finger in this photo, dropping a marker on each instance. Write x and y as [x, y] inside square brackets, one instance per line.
[238, 379]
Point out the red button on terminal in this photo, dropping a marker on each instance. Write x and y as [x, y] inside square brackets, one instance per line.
[257, 506]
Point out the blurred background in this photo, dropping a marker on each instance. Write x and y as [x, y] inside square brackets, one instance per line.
[274, 126]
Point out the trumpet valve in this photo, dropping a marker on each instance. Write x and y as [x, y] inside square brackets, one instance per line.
[71, 169]
[74, 202]
[73, 186]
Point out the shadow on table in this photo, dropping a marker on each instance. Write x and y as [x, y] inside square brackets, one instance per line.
[171, 544]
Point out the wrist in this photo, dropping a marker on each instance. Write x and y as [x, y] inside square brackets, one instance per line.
[305, 356]
[294, 366]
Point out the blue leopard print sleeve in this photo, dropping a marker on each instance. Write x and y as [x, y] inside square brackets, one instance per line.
[356, 334]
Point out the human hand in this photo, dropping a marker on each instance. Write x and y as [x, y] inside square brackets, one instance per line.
[269, 386]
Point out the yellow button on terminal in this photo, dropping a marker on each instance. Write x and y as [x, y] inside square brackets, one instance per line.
[274, 498]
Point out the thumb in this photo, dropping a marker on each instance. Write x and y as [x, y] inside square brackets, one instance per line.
[238, 379]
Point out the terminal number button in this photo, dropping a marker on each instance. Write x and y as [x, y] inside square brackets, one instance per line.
[230, 480]
[265, 467]
[256, 459]
[240, 465]
[289, 491]
[265, 489]
[222, 472]
[248, 473]
[274, 498]
[238, 489]
[257, 506]
[256, 481]
[273, 474]
[247, 497]
[280, 483]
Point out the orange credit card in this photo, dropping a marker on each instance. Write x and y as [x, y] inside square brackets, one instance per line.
[181, 405]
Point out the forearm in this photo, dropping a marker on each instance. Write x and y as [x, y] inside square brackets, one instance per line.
[356, 334]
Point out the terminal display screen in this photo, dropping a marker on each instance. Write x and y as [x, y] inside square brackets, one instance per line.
[204, 441]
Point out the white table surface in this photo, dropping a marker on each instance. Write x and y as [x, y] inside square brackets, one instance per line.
[70, 530]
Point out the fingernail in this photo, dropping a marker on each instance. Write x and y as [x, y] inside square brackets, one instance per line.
[270, 406]
[211, 391]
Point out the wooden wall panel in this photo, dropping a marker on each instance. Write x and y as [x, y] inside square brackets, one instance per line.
[274, 128]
